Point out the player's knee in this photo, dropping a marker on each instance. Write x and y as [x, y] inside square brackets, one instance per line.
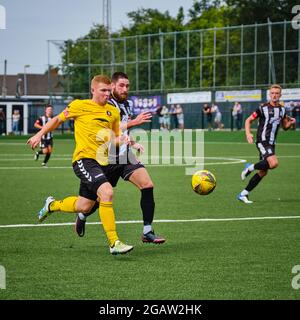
[273, 164]
[262, 173]
[106, 196]
[147, 184]
[105, 193]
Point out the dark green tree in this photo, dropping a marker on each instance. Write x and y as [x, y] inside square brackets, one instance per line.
[186, 47]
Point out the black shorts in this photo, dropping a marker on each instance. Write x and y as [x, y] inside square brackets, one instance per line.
[265, 150]
[92, 175]
[45, 143]
[115, 171]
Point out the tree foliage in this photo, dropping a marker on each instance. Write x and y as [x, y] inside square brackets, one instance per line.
[153, 35]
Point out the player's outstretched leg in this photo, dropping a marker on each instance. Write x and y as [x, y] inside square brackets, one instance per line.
[45, 211]
[254, 181]
[148, 206]
[107, 217]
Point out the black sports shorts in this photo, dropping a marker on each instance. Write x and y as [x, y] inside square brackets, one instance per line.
[265, 150]
[92, 175]
[45, 143]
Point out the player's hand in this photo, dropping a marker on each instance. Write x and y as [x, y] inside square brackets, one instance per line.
[249, 137]
[34, 141]
[124, 139]
[138, 147]
[143, 117]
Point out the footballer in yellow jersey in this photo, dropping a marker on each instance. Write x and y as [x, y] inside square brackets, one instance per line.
[94, 128]
[95, 123]
[123, 163]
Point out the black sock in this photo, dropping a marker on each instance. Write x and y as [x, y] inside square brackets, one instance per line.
[262, 165]
[254, 181]
[41, 152]
[47, 157]
[147, 205]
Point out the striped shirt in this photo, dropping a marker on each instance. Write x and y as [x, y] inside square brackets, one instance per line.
[270, 118]
[125, 108]
[42, 122]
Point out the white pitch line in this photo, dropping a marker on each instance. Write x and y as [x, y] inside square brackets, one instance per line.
[147, 165]
[156, 221]
[231, 161]
[165, 142]
[33, 168]
[31, 155]
[67, 157]
[29, 159]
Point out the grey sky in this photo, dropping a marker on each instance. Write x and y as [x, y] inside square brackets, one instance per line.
[30, 23]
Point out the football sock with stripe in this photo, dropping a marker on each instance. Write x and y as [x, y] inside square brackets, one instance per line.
[107, 217]
[65, 205]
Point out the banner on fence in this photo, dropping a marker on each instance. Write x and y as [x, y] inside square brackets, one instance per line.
[244, 95]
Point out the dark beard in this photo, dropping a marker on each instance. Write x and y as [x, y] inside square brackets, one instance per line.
[118, 97]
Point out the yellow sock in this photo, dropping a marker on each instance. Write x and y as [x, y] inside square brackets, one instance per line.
[65, 205]
[107, 217]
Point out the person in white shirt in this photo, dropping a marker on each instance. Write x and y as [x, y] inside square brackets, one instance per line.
[180, 117]
[218, 116]
[16, 121]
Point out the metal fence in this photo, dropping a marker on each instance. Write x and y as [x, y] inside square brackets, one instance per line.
[246, 56]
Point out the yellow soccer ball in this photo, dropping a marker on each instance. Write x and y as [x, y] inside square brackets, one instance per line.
[203, 182]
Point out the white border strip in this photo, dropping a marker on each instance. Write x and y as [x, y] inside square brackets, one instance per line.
[156, 221]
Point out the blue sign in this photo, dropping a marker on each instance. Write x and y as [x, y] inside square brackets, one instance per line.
[143, 104]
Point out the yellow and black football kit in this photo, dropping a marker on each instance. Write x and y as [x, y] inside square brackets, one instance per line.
[95, 126]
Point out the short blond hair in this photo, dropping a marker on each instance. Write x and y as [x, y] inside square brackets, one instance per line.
[276, 86]
[100, 79]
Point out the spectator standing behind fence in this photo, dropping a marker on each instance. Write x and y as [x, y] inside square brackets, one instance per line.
[207, 110]
[160, 117]
[2, 122]
[296, 114]
[173, 115]
[237, 113]
[166, 117]
[218, 116]
[180, 117]
[16, 117]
